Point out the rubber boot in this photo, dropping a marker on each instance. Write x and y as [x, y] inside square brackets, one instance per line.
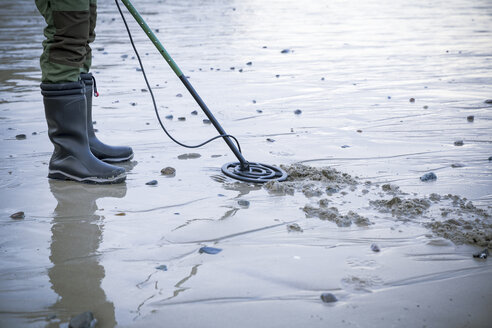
[106, 153]
[65, 110]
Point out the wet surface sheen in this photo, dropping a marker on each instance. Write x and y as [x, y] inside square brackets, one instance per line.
[351, 69]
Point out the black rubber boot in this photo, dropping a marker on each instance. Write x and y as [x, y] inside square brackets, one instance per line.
[110, 154]
[65, 109]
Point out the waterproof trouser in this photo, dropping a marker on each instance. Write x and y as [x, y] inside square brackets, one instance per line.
[69, 32]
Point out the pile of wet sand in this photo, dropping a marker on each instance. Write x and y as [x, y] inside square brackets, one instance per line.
[448, 216]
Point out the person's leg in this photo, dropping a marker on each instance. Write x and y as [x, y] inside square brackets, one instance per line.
[65, 46]
[63, 93]
[110, 154]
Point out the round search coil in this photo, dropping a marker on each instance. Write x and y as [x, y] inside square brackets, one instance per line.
[257, 172]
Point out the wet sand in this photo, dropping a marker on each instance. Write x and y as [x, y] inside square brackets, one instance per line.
[351, 70]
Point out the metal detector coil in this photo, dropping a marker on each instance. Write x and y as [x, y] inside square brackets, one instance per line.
[242, 170]
[256, 172]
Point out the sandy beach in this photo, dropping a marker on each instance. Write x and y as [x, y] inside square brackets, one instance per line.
[355, 100]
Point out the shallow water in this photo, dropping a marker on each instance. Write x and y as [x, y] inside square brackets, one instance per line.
[352, 66]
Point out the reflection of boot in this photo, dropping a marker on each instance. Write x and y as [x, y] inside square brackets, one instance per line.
[110, 154]
[76, 274]
[65, 109]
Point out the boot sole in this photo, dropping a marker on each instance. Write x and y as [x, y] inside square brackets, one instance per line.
[59, 175]
[116, 160]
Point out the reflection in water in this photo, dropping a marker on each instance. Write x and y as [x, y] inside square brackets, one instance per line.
[76, 274]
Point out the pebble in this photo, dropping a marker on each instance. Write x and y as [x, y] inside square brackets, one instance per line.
[270, 140]
[83, 320]
[20, 137]
[143, 90]
[151, 183]
[243, 203]
[482, 255]
[34, 133]
[162, 267]
[179, 95]
[277, 76]
[133, 103]
[181, 118]
[169, 117]
[297, 111]
[206, 121]
[249, 63]
[285, 51]
[470, 118]
[294, 227]
[194, 112]
[360, 131]
[189, 156]
[171, 171]
[328, 298]
[458, 143]
[375, 248]
[232, 68]
[209, 250]
[431, 176]
[488, 101]
[18, 215]
[412, 100]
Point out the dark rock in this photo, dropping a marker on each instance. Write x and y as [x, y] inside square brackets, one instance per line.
[233, 68]
[488, 101]
[34, 133]
[151, 183]
[359, 131]
[375, 248]
[240, 70]
[254, 101]
[457, 165]
[345, 146]
[83, 320]
[156, 30]
[20, 137]
[216, 155]
[133, 103]
[294, 227]
[181, 118]
[243, 203]
[170, 171]
[412, 100]
[209, 250]
[285, 51]
[322, 79]
[206, 121]
[138, 69]
[18, 215]
[425, 107]
[194, 112]
[328, 298]
[490, 158]
[259, 111]
[270, 140]
[179, 95]
[169, 117]
[162, 267]
[482, 255]
[459, 143]
[297, 111]
[249, 63]
[431, 176]
[189, 156]
[277, 76]
[124, 56]
[470, 118]
[143, 90]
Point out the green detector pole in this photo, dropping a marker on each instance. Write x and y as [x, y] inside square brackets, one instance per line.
[244, 165]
